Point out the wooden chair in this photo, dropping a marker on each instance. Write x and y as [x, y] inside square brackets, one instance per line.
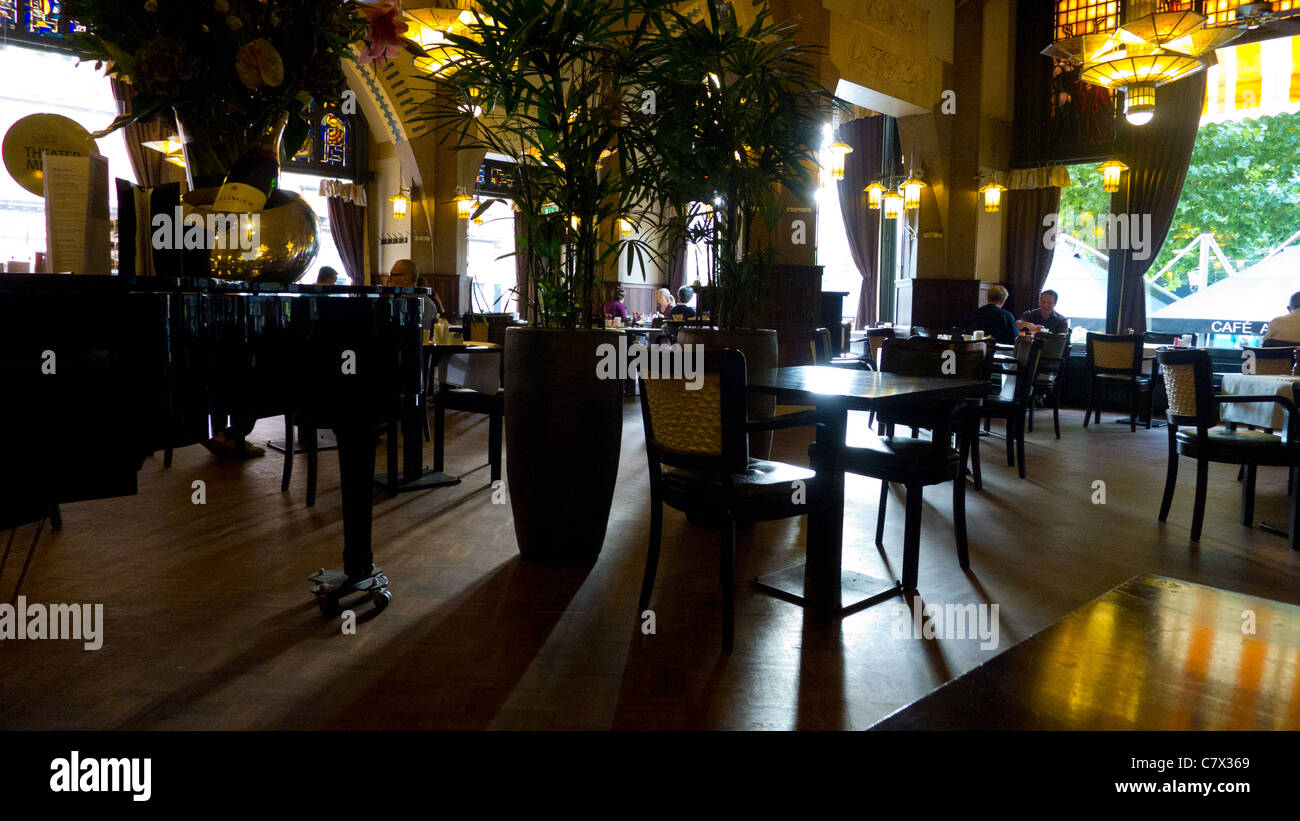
[1116, 360]
[470, 383]
[1051, 375]
[1015, 399]
[875, 341]
[697, 446]
[1189, 385]
[917, 463]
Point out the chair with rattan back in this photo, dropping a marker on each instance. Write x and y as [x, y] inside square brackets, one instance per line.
[697, 447]
[1194, 417]
[1116, 360]
[1272, 360]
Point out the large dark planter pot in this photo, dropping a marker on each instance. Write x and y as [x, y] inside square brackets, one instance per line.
[760, 350]
[564, 431]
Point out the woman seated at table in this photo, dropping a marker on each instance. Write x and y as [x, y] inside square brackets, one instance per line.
[664, 301]
[616, 307]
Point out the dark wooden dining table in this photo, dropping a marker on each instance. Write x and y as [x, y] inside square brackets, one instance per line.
[415, 476]
[822, 582]
[1152, 654]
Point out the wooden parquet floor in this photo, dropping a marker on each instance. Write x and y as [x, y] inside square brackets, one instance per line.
[209, 623]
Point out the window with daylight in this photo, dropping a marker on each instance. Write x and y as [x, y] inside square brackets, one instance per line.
[78, 92]
[1228, 264]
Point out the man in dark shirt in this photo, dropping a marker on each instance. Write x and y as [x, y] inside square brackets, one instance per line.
[1045, 317]
[682, 310]
[993, 319]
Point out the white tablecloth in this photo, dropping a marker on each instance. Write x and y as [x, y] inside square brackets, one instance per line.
[1259, 414]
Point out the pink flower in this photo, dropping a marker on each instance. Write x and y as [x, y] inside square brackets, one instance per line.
[386, 30]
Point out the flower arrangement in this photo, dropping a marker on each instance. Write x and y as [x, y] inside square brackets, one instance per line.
[226, 68]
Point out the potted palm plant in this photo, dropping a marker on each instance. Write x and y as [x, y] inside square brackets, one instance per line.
[738, 117]
[551, 85]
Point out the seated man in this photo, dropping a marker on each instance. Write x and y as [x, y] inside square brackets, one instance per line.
[993, 319]
[682, 310]
[1287, 326]
[1044, 317]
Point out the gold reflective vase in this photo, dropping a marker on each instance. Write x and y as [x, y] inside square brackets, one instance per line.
[278, 244]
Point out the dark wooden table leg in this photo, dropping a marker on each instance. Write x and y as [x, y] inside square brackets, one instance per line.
[826, 518]
[414, 475]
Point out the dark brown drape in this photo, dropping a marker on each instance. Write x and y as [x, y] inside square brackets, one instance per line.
[149, 166]
[861, 224]
[1158, 155]
[1027, 256]
[348, 226]
[677, 263]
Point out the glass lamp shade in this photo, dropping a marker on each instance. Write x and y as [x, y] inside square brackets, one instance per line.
[992, 194]
[624, 227]
[911, 189]
[874, 192]
[401, 203]
[892, 202]
[1139, 104]
[835, 160]
[1128, 68]
[1110, 174]
[464, 205]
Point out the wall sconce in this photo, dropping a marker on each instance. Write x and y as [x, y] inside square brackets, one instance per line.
[464, 205]
[892, 202]
[838, 151]
[625, 228]
[992, 194]
[576, 222]
[911, 188]
[874, 192]
[1110, 174]
[401, 203]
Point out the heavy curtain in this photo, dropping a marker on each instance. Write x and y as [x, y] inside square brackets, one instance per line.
[677, 262]
[149, 166]
[347, 212]
[1027, 257]
[862, 225]
[1158, 155]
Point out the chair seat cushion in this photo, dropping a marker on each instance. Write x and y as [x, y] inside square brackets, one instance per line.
[902, 459]
[764, 484]
[1222, 437]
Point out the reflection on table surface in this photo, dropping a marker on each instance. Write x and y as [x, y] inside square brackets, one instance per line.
[1152, 654]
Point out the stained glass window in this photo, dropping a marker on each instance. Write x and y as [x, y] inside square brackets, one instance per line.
[43, 17]
[1075, 17]
[39, 22]
[334, 139]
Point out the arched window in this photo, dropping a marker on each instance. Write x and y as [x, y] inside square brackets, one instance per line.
[35, 21]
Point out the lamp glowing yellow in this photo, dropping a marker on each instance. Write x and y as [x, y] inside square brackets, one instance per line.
[992, 194]
[401, 203]
[912, 193]
[575, 221]
[625, 228]
[835, 161]
[1140, 103]
[892, 202]
[464, 205]
[1110, 174]
[874, 193]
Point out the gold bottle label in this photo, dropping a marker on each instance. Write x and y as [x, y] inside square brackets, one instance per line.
[239, 198]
